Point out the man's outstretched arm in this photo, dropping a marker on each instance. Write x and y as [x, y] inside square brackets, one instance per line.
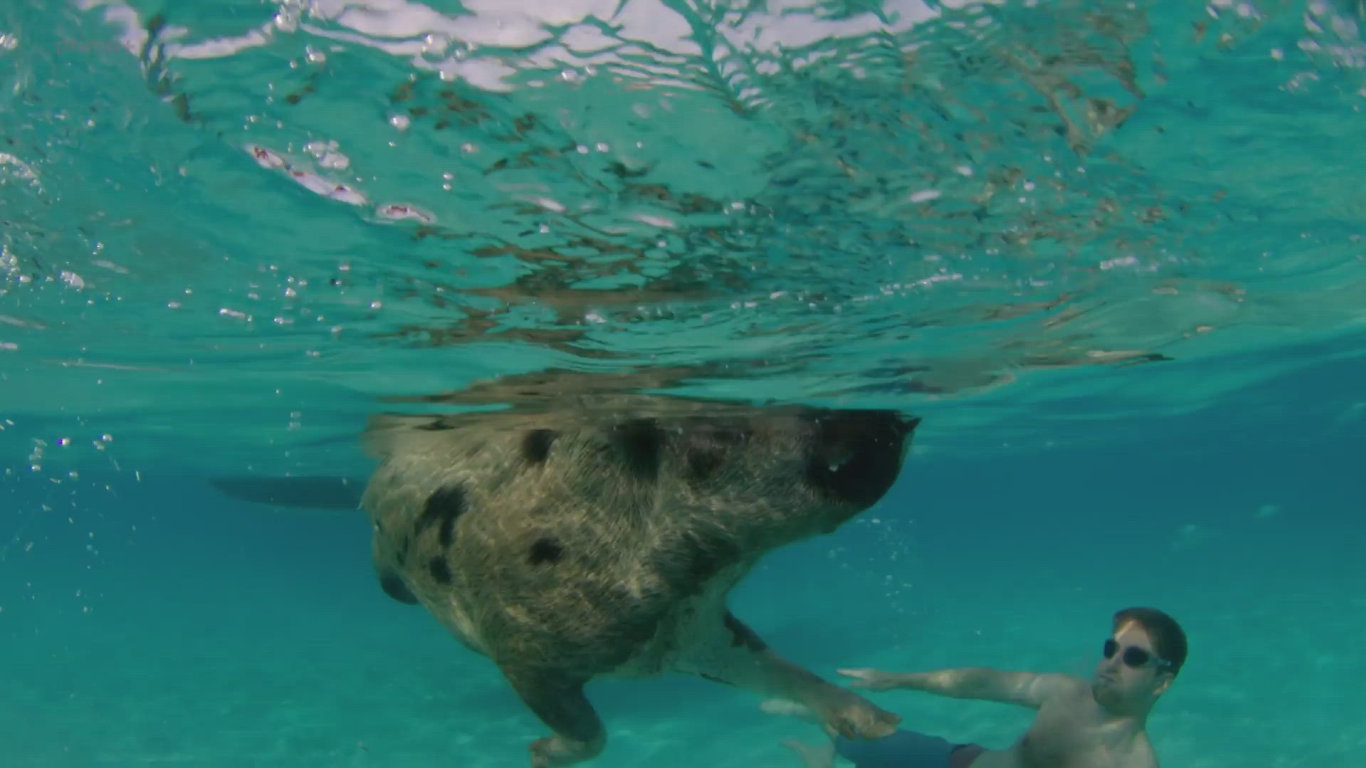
[1023, 688]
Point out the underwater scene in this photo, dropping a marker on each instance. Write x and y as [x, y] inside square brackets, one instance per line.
[682, 383]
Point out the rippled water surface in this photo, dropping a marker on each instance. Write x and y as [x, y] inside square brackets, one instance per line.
[289, 210]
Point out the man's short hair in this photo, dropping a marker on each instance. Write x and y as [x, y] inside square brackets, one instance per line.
[1169, 640]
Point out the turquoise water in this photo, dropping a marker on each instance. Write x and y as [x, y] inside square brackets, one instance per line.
[1110, 252]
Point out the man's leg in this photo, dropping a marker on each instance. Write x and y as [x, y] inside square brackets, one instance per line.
[902, 749]
[822, 756]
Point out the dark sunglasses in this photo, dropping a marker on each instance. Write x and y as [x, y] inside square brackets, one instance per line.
[1134, 656]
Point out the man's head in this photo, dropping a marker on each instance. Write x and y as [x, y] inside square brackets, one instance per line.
[1139, 662]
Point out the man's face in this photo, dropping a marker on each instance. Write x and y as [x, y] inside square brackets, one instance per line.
[1130, 678]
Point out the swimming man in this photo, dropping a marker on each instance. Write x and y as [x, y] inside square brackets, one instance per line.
[1100, 723]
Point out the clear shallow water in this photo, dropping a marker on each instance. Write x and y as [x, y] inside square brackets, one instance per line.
[1110, 251]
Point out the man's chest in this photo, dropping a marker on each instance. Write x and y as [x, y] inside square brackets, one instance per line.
[1066, 737]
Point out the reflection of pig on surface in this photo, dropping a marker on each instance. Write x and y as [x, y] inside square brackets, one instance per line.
[568, 545]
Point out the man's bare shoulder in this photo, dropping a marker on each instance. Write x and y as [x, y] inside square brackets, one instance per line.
[1049, 687]
[1038, 689]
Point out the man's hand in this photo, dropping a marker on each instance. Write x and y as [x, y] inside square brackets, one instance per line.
[872, 679]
